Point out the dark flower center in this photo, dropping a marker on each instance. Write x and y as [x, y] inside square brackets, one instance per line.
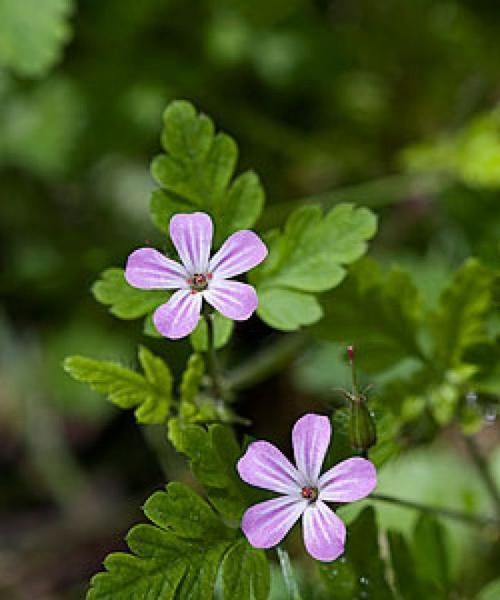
[309, 493]
[199, 282]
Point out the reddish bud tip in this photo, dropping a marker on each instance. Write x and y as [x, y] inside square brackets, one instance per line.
[350, 353]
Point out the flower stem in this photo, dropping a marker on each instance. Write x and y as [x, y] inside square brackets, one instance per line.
[267, 362]
[211, 358]
[484, 471]
[449, 513]
[288, 576]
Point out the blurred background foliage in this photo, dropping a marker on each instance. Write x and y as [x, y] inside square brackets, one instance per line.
[390, 105]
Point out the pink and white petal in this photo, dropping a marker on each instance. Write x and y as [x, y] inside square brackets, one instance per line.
[233, 299]
[310, 439]
[266, 524]
[241, 252]
[179, 316]
[350, 480]
[265, 466]
[192, 237]
[324, 532]
[149, 269]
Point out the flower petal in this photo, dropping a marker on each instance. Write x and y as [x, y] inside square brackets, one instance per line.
[233, 299]
[192, 238]
[324, 532]
[263, 465]
[179, 316]
[266, 524]
[350, 480]
[310, 439]
[241, 252]
[149, 269]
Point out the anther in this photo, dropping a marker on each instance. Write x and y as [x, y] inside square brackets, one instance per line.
[309, 493]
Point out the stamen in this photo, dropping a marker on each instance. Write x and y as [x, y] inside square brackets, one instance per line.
[198, 282]
[309, 493]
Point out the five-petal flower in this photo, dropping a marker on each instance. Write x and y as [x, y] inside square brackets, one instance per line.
[199, 276]
[303, 491]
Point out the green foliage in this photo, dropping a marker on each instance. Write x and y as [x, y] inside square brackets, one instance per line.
[360, 572]
[460, 320]
[245, 572]
[31, 39]
[430, 552]
[125, 301]
[40, 131]
[196, 172]
[309, 257]
[213, 454]
[223, 329]
[491, 591]
[422, 569]
[381, 311]
[180, 555]
[471, 155]
[151, 393]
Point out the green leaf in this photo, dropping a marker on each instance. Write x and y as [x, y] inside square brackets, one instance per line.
[195, 173]
[213, 454]
[309, 256]
[151, 393]
[31, 39]
[381, 312]
[125, 302]
[191, 379]
[430, 552]
[460, 319]
[223, 328]
[471, 155]
[179, 556]
[245, 573]
[403, 566]
[491, 591]
[288, 310]
[360, 572]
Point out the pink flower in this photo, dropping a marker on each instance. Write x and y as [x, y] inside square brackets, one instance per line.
[304, 491]
[199, 276]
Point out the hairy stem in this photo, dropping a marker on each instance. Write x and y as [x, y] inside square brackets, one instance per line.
[288, 576]
[267, 362]
[211, 358]
[484, 471]
[448, 513]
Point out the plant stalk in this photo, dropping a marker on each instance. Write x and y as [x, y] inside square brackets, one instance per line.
[286, 568]
[483, 471]
[267, 362]
[448, 513]
[211, 358]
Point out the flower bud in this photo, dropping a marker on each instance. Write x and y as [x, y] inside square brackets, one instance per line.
[362, 428]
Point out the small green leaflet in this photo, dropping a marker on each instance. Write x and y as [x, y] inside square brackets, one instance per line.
[306, 258]
[196, 171]
[151, 393]
[180, 555]
[381, 311]
[223, 328]
[125, 302]
[31, 40]
[213, 454]
[460, 320]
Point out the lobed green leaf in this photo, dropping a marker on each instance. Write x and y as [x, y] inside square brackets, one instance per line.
[151, 393]
[309, 257]
[195, 174]
[125, 301]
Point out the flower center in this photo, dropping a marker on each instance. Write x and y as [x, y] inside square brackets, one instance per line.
[309, 493]
[199, 282]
